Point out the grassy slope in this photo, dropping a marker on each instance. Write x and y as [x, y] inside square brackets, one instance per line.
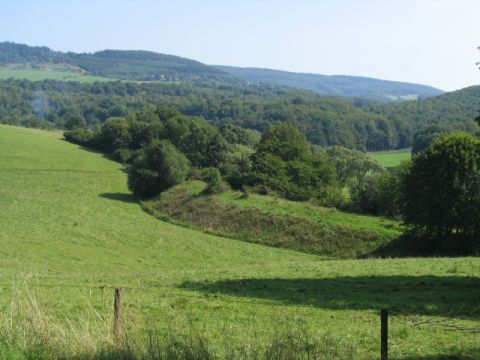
[277, 222]
[44, 74]
[391, 159]
[69, 225]
[316, 213]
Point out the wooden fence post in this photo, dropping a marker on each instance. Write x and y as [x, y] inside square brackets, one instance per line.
[117, 314]
[384, 334]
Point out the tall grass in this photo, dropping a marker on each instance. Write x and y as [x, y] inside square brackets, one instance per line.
[30, 330]
[36, 331]
[257, 222]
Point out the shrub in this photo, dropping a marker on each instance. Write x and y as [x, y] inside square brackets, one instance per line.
[157, 167]
[213, 178]
[379, 195]
[200, 141]
[124, 155]
[425, 137]
[80, 136]
[115, 134]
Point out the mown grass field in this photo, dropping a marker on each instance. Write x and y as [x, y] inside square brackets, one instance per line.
[71, 232]
[391, 159]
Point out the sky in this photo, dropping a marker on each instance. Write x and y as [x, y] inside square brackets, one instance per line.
[432, 42]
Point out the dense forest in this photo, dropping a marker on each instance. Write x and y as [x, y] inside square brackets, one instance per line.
[147, 66]
[337, 85]
[326, 121]
[120, 64]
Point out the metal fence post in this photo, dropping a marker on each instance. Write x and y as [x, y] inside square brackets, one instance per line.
[384, 334]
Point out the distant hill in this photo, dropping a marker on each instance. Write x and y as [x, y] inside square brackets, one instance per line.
[337, 85]
[147, 66]
[457, 109]
[119, 64]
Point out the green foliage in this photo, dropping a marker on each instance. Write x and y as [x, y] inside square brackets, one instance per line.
[237, 164]
[73, 120]
[147, 66]
[115, 134]
[352, 167]
[125, 156]
[379, 195]
[325, 121]
[425, 137]
[132, 65]
[441, 195]
[455, 110]
[284, 163]
[236, 135]
[338, 85]
[214, 181]
[80, 136]
[359, 174]
[285, 142]
[157, 167]
[201, 142]
[272, 221]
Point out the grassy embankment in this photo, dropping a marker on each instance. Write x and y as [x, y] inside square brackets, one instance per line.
[70, 232]
[272, 221]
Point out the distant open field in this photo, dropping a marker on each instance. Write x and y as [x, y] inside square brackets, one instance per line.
[44, 74]
[71, 232]
[391, 159]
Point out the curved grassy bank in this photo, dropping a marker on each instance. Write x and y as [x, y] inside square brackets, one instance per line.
[273, 221]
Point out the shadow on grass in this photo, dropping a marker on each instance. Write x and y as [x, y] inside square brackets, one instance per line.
[127, 198]
[450, 296]
[470, 354]
[98, 152]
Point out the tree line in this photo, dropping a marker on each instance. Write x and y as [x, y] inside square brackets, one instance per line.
[326, 121]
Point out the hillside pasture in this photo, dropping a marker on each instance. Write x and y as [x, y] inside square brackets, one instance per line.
[71, 232]
[391, 159]
[39, 74]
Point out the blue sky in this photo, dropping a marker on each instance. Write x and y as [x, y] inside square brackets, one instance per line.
[424, 41]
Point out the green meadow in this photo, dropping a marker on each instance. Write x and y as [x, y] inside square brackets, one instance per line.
[71, 232]
[48, 74]
[391, 159]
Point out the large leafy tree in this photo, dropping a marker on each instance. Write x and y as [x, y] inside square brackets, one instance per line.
[425, 137]
[283, 162]
[353, 167]
[200, 141]
[115, 134]
[441, 195]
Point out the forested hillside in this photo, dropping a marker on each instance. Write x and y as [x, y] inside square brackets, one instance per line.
[357, 124]
[120, 64]
[147, 65]
[338, 85]
[458, 109]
